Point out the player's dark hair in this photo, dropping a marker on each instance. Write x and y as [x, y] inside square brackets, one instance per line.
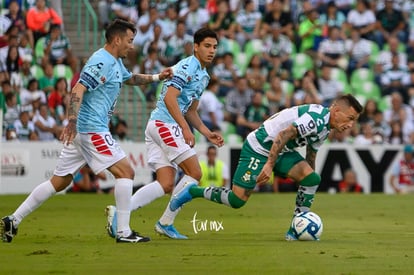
[204, 33]
[351, 101]
[118, 27]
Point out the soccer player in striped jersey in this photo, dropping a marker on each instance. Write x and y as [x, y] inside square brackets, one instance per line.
[272, 148]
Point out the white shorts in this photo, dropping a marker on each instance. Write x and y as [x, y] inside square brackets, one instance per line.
[166, 145]
[98, 150]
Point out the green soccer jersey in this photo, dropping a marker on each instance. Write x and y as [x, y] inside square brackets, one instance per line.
[311, 122]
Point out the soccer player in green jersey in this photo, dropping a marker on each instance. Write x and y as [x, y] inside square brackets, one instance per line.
[271, 148]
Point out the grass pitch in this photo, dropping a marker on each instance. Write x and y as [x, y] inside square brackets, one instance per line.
[363, 234]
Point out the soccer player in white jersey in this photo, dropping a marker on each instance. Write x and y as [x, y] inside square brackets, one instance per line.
[168, 135]
[87, 139]
[271, 148]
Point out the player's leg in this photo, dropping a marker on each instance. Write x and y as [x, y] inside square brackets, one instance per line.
[70, 161]
[249, 166]
[308, 181]
[190, 166]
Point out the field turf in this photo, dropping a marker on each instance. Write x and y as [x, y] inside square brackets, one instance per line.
[363, 234]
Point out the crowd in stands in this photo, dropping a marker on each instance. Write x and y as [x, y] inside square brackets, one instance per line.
[272, 54]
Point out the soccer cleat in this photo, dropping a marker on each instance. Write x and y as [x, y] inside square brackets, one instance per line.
[134, 237]
[182, 196]
[290, 235]
[169, 231]
[111, 225]
[7, 229]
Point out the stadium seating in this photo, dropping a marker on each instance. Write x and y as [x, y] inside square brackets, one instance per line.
[301, 63]
[61, 70]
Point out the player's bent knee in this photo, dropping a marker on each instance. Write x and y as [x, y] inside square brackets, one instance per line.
[235, 202]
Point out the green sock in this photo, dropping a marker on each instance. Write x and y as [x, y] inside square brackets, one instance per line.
[217, 194]
[306, 192]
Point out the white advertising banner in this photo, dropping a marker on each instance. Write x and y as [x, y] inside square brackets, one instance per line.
[25, 165]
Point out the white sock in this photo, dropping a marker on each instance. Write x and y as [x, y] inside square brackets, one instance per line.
[168, 216]
[146, 194]
[40, 194]
[123, 193]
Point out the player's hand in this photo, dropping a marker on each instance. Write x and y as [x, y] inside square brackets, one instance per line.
[264, 175]
[216, 139]
[189, 137]
[167, 73]
[69, 132]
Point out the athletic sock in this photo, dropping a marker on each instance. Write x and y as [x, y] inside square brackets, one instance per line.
[217, 194]
[123, 193]
[39, 195]
[146, 194]
[168, 216]
[306, 192]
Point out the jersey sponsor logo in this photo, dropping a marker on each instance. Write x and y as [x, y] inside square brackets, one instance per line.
[100, 144]
[247, 176]
[165, 134]
[95, 69]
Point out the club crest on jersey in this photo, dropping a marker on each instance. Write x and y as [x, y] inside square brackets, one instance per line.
[103, 80]
[247, 176]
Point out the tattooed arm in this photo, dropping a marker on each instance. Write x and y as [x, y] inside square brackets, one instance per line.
[142, 79]
[76, 96]
[280, 141]
[310, 156]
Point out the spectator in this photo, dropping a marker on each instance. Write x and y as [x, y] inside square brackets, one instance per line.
[26, 95]
[237, 100]
[396, 135]
[48, 80]
[13, 63]
[151, 65]
[395, 79]
[384, 60]
[223, 21]
[25, 74]
[379, 126]
[226, 73]
[332, 51]
[307, 92]
[310, 33]
[256, 112]
[278, 49]
[344, 5]
[175, 45]
[329, 88]
[121, 131]
[55, 99]
[211, 109]
[333, 18]
[278, 97]
[24, 126]
[85, 180]
[366, 137]
[256, 73]
[169, 22]
[58, 49]
[40, 18]
[248, 22]
[125, 10]
[16, 16]
[368, 113]
[390, 22]
[215, 172]
[10, 134]
[350, 184]
[5, 24]
[359, 50]
[104, 12]
[158, 43]
[402, 177]
[45, 125]
[362, 18]
[11, 111]
[195, 17]
[277, 16]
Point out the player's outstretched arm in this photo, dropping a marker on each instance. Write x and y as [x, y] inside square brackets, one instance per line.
[142, 79]
[280, 141]
[76, 97]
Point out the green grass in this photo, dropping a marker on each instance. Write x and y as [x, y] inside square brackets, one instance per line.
[363, 234]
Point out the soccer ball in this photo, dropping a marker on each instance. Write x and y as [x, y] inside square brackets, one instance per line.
[307, 226]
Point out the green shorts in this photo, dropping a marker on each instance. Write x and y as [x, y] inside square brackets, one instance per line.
[251, 164]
